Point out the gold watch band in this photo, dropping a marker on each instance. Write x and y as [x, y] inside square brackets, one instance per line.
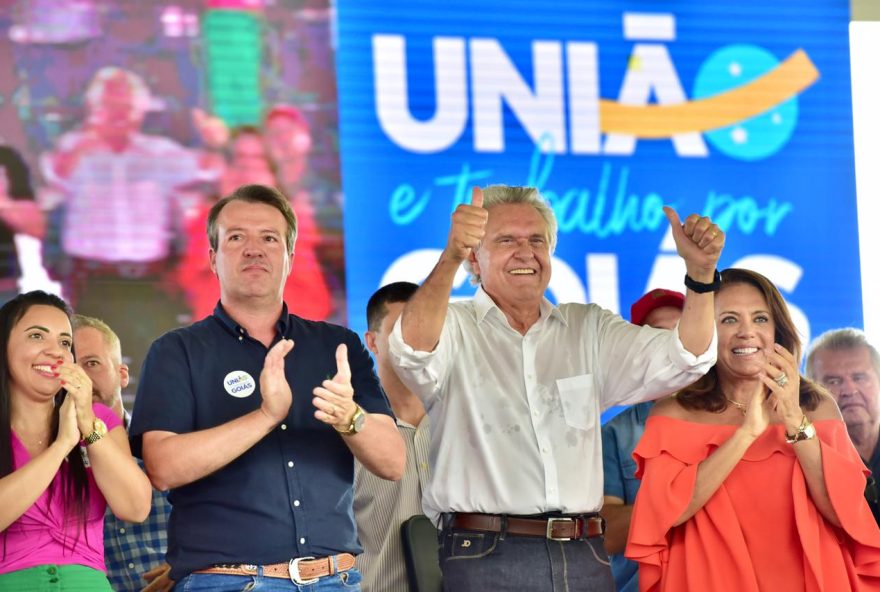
[354, 426]
[93, 437]
[805, 431]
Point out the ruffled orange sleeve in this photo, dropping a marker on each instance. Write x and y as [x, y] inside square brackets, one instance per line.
[845, 477]
[685, 557]
[709, 551]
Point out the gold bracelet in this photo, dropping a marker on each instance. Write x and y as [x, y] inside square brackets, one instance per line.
[806, 431]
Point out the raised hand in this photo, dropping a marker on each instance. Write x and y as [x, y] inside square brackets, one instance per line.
[698, 241]
[468, 227]
[782, 378]
[68, 431]
[758, 414]
[334, 399]
[79, 388]
[274, 387]
[212, 130]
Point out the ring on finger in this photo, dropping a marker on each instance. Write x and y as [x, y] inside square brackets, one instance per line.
[781, 380]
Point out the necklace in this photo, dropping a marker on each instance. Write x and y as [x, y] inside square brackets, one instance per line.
[30, 440]
[738, 405]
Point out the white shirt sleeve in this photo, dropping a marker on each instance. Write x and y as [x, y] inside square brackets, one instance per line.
[424, 373]
[643, 363]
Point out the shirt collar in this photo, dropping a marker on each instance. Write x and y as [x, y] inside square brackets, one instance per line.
[283, 324]
[483, 303]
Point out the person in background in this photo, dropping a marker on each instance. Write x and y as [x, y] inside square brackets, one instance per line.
[380, 506]
[660, 309]
[253, 417]
[134, 552]
[306, 292]
[120, 213]
[848, 365]
[514, 385]
[317, 203]
[63, 458]
[749, 480]
[19, 213]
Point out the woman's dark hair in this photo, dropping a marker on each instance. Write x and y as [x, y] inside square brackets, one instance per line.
[17, 173]
[705, 394]
[74, 489]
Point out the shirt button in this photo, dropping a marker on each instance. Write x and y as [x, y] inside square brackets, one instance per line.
[240, 338]
[544, 450]
[121, 531]
[296, 503]
[131, 566]
[51, 571]
[535, 413]
[283, 426]
[302, 541]
[290, 464]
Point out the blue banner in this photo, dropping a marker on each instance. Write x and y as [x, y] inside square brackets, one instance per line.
[737, 111]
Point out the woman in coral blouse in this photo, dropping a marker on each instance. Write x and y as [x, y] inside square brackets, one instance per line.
[749, 480]
[63, 459]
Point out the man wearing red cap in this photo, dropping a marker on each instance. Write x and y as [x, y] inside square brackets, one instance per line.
[660, 309]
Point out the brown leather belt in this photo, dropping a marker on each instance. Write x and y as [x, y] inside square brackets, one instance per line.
[301, 571]
[563, 528]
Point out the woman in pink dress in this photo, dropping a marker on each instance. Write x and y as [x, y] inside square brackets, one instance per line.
[63, 458]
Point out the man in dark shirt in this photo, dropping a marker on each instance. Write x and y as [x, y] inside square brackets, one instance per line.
[255, 436]
[848, 365]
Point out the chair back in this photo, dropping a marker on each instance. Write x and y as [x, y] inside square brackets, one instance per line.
[421, 554]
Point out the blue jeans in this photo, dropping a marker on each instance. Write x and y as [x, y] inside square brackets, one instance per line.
[473, 561]
[347, 581]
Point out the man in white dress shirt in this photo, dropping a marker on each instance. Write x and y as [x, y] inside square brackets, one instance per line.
[119, 220]
[514, 386]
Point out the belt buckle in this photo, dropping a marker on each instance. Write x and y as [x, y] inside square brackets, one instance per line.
[551, 522]
[293, 568]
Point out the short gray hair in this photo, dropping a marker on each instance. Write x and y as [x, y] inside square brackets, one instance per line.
[495, 195]
[138, 87]
[844, 339]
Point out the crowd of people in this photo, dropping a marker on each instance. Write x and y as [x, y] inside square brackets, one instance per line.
[121, 213]
[266, 451]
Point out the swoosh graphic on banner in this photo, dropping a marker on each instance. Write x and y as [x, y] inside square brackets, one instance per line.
[785, 81]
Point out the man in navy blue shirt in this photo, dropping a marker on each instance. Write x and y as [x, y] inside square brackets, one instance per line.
[253, 418]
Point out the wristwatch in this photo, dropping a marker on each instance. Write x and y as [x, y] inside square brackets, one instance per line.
[357, 422]
[806, 431]
[99, 430]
